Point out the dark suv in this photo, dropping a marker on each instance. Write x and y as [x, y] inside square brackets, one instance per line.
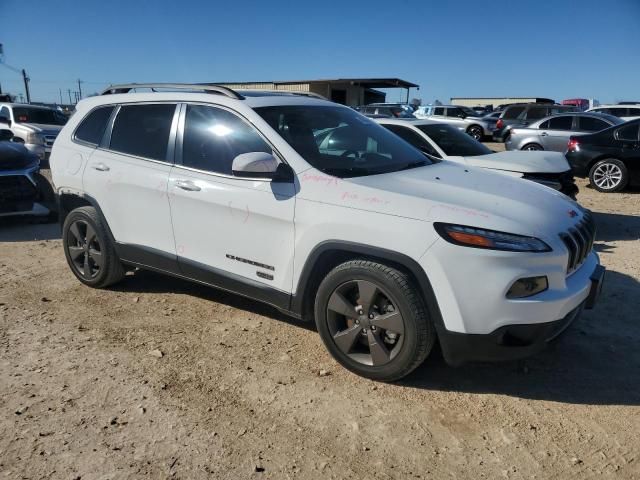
[522, 114]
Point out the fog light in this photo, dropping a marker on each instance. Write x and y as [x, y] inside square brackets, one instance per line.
[525, 287]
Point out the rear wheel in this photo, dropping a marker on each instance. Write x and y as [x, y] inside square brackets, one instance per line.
[532, 147]
[89, 251]
[373, 321]
[609, 175]
[476, 132]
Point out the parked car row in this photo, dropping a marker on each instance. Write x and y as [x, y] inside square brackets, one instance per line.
[36, 127]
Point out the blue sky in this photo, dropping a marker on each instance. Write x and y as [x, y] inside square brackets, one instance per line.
[558, 49]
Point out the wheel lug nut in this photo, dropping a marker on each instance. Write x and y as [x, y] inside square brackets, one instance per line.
[371, 316]
[373, 328]
[357, 322]
[364, 330]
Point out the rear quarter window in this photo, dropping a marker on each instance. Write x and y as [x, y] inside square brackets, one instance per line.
[92, 127]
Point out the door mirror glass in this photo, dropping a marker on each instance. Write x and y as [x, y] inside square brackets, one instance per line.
[255, 165]
[5, 120]
[5, 135]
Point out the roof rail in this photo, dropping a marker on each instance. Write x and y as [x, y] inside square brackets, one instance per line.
[282, 92]
[127, 87]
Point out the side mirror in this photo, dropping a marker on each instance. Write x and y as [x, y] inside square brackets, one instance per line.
[18, 140]
[5, 120]
[255, 165]
[5, 135]
[462, 115]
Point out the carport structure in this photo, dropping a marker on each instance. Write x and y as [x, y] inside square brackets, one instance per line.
[348, 91]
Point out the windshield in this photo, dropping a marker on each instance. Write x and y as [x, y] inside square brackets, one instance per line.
[454, 142]
[38, 115]
[340, 142]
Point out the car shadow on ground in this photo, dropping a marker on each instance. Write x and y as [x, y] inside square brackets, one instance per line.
[28, 229]
[596, 361]
[144, 281]
[614, 226]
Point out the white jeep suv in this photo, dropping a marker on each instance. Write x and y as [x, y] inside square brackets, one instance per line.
[250, 192]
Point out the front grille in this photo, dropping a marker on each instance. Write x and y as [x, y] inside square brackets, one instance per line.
[16, 188]
[48, 140]
[579, 241]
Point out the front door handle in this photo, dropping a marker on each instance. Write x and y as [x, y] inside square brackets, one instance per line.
[187, 185]
[544, 134]
[101, 167]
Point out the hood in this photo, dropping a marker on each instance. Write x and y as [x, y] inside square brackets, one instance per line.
[452, 193]
[43, 128]
[522, 161]
[14, 156]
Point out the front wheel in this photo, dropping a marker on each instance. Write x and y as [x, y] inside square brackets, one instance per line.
[532, 147]
[373, 320]
[476, 132]
[609, 175]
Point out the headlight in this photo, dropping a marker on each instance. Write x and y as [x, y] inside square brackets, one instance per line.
[35, 139]
[481, 238]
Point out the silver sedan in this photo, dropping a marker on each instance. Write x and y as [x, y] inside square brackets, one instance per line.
[552, 133]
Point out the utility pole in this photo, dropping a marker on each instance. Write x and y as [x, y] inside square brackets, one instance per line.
[79, 89]
[69, 92]
[60, 90]
[26, 85]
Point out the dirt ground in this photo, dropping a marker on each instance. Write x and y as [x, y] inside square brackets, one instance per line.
[236, 390]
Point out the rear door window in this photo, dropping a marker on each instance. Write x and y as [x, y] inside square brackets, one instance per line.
[93, 126]
[560, 123]
[590, 124]
[143, 130]
[619, 111]
[413, 138]
[438, 111]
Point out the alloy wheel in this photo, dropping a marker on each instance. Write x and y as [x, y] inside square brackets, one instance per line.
[365, 322]
[607, 176]
[84, 249]
[476, 133]
[532, 148]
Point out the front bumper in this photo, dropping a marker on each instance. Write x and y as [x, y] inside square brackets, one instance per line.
[19, 193]
[512, 342]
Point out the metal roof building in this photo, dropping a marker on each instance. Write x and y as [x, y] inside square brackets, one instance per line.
[348, 91]
[495, 101]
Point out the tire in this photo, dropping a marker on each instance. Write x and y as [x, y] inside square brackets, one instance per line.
[385, 347]
[532, 147]
[609, 175]
[476, 132]
[93, 262]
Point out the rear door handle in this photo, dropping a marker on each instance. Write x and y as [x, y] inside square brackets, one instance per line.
[101, 167]
[187, 185]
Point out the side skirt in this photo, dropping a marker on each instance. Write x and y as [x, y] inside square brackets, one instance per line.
[162, 262]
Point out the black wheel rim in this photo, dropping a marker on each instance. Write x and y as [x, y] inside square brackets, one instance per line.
[365, 323]
[476, 133]
[84, 249]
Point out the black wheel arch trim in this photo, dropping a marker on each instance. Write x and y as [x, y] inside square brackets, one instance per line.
[339, 246]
